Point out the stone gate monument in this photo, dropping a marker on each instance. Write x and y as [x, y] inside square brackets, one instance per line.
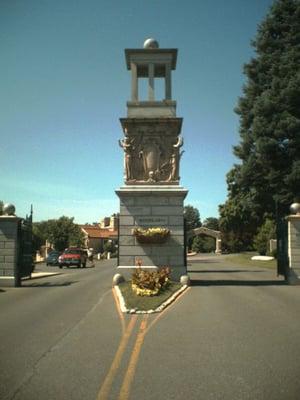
[151, 196]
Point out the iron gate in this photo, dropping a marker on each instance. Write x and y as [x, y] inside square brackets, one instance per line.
[282, 247]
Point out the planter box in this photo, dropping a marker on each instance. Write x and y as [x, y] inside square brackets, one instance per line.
[144, 237]
[155, 239]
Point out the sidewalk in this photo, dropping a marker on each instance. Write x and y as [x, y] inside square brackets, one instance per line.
[41, 274]
[9, 281]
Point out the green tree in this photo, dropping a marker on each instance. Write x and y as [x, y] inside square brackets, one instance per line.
[64, 233]
[192, 217]
[268, 175]
[211, 223]
[1, 207]
[192, 221]
[266, 232]
[203, 244]
[39, 234]
[61, 233]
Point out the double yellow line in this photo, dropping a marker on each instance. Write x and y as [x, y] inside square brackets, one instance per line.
[125, 388]
[129, 375]
[126, 334]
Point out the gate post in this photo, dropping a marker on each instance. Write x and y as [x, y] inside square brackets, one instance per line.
[9, 227]
[294, 244]
[185, 249]
[218, 245]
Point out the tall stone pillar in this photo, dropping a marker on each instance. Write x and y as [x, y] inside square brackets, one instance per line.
[168, 88]
[134, 83]
[152, 196]
[9, 225]
[151, 82]
[218, 245]
[294, 244]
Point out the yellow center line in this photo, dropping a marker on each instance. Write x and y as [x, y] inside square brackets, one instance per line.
[119, 310]
[130, 372]
[125, 388]
[106, 386]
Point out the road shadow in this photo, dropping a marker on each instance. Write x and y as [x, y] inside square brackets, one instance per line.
[236, 282]
[71, 267]
[48, 284]
[223, 271]
[203, 261]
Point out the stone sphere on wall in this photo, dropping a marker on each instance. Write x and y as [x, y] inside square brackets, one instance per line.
[9, 209]
[118, 278]
[295, 208]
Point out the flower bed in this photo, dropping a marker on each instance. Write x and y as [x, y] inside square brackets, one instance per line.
[151, 235]
[141, 304]
[150, 283]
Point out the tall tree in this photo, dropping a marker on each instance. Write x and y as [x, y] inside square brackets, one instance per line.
[1, 207]
[192, 217]
[268, 175]
[61, 233]
[211, 223]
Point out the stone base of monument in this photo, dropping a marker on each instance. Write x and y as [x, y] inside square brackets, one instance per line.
[293, 277]
[294, 249]
[150, 206]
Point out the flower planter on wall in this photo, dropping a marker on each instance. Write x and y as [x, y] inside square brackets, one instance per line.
[151, 235]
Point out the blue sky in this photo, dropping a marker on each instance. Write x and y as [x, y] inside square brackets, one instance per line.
[64, 86]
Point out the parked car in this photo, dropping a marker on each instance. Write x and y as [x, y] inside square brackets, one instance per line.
[73, 256]
[52, 258]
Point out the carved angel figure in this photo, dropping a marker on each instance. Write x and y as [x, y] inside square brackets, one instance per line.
[175, 158]
[127, 146]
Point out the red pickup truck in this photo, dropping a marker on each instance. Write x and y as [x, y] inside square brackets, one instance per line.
[73, 256]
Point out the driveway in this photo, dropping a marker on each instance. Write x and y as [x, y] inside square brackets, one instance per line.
[234, 335]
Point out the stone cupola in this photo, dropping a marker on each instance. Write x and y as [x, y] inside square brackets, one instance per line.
[151, 63]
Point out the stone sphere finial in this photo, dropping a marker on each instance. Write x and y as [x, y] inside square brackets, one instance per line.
[151, 44]
[185, 280]
[9, 209]
[295, 208]
[118, 278]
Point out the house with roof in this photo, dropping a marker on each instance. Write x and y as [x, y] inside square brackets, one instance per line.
[96, 235]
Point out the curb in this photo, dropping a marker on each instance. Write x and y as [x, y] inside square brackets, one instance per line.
[9, 281]
[37, 275]
[170, 300]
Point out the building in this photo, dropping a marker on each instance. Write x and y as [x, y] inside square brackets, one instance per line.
[97, 235]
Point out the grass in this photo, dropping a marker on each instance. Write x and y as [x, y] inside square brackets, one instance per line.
[146, 303]
[244, 259]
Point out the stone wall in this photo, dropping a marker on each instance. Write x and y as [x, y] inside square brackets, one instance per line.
[294, 243]
[8, 248]
[160, 209]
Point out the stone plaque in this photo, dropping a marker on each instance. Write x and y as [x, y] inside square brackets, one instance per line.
[151, 221]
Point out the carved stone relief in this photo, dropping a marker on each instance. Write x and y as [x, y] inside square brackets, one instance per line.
[151, 154]
[128, 148]
[175, 158]
[151, 158]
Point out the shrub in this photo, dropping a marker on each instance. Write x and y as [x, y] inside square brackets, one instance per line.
[274, 253]
[149, 283]
[232, 242]
[203, 244]
[266, 232]
[109, 247]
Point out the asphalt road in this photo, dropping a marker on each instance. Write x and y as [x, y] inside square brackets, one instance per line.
[235, 334]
